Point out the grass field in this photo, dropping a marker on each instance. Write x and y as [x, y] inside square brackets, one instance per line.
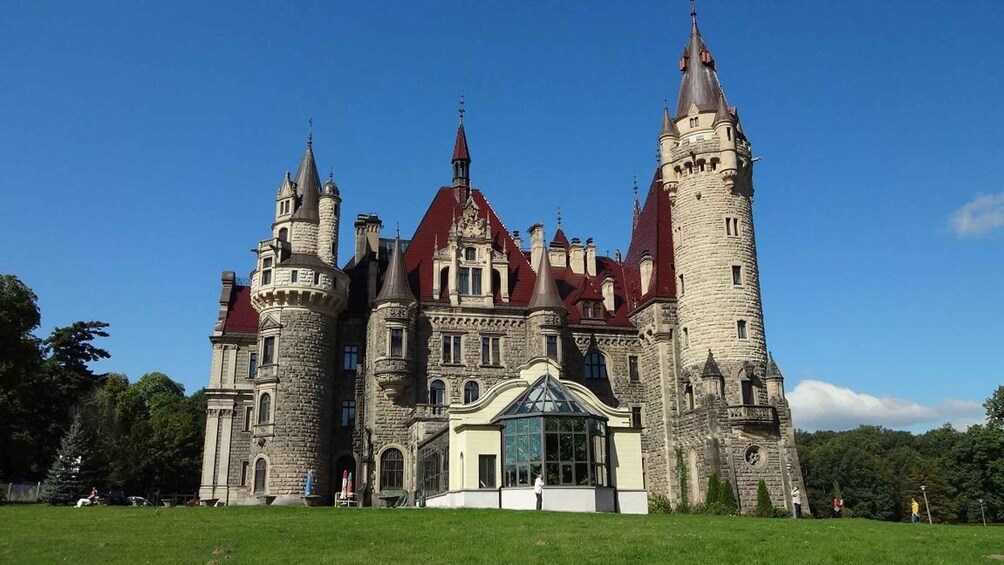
[41, 534]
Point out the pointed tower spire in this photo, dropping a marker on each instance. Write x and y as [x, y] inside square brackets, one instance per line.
[668, 125]
[308, 183]
[700, 86]
[772, 369]
[711, 367]
[545, 290]
[722, 114]
[395, 284]
[461, 155]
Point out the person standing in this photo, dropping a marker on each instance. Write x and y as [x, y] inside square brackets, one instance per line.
[796, 501]
[914, 510]
[538, 489]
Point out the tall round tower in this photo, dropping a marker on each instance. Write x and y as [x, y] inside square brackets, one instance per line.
[707, 174]
[298, 292]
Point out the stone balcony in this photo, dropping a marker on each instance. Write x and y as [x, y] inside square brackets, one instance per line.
[439, 412]
[752, 415]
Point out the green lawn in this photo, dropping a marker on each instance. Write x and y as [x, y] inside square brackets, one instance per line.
[41, 534]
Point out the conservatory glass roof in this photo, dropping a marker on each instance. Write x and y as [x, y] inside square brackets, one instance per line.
[547, 396]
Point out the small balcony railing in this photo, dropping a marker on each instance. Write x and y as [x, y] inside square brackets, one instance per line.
[745, 414]
[431, 411]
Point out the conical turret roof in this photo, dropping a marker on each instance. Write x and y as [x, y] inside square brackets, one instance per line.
[723, 114]
[772, 369]
[395, 283]
[545, 290]
[700, 84]
[308, 186]
[460, 151]
[668, 125]
[711, 367]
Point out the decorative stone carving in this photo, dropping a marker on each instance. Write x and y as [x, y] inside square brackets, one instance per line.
[391, 376]
[755, 457]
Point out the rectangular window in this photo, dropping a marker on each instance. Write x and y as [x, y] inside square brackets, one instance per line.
[463, 280]
[490, 354]
[266, 271]
[633, 374]
[686, 338]
[350, 358]
[636, 416]
[244, 473]
[317, 277]
[247, 418]
[694, 122]
[348, 414]
[681, 285]
[737, 275]
[451, 349]
[252, 365]
[396, 342]
[741, 329]
[294, 276]
[476, 282]
[728, 133]
[486, 471]
[732, 226]
[268, 351]
[551, 346]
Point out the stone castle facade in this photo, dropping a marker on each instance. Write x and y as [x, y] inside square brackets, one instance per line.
[332, 369]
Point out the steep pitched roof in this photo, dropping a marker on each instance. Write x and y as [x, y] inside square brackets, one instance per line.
[668, 125]
[395, 284]
[241, 316]
[700, 84]
[654, 234]
[772, 369]
[559, 239]
[435, 225]
[308, 186]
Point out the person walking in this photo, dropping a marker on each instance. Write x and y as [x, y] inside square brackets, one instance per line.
[796, 501]
[914, 510]
[538, 489]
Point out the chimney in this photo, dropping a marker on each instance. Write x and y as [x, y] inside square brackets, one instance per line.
[577, 256]
[646, 271]
[590, 257]
[517, 240]
[536, 232]
[608, 293]
[360, 226]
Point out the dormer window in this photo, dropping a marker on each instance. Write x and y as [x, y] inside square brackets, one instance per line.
[592, 310]
[694, 121]
[470, 254]
[469, 281]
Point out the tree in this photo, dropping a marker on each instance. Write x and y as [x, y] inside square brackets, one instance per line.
[71, 472]
[727, 497]
[764, 507]
[995, 408]
[713, 496]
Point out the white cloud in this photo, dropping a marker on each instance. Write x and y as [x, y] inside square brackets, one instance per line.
[980, 216]
[818, 405]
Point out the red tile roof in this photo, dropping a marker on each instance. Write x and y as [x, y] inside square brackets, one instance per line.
[241, 316]
[654, 233]
[460, 152]
[559, 239]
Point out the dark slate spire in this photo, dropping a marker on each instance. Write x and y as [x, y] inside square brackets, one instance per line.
[637, 205]
[722, 114]
[308, 184]
[700, 84]
[395, 283]
[461, 156]
[545, 290]
[668, 125]
[772, 369]
[710, 367]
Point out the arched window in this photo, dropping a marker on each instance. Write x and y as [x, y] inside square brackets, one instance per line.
[471, 392]
[391, 470]
[259, 475]
[596, 365]
[264, 409]
[283, 234]
[437, 392]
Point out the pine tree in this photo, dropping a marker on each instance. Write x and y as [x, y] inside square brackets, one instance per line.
[727, 497]
[764, 507]
[68, 477]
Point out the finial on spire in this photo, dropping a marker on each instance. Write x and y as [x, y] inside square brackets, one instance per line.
[331, 174]
[693, 13]
[397, 228]
[634, 183]
[310, 131]
[461, 110]
[559, 217]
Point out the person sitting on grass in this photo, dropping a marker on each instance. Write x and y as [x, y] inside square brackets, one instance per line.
[90, 500]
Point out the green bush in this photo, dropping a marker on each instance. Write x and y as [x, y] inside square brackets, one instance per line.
[659, 504]
[712, 495]
[764, 507]
[727, 497]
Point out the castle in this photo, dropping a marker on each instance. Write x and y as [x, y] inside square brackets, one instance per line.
[454, 367]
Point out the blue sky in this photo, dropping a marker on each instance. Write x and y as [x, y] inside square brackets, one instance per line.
[141, 145]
